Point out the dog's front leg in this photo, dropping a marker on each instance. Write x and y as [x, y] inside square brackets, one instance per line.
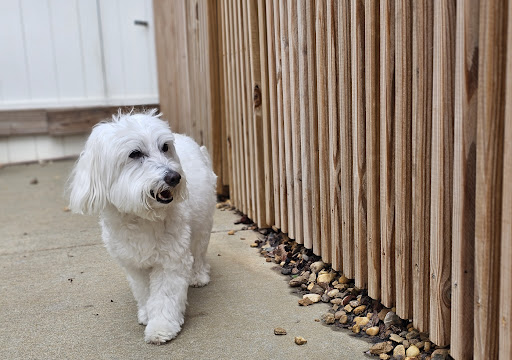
[166, 303]
[139, 283]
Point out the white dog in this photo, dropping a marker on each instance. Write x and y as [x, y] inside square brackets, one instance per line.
[155, 194]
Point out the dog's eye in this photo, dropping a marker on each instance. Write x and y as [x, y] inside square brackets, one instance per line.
[136, 154]
[165, 148]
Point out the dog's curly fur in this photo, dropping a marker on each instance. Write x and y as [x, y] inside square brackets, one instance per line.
[155, 193]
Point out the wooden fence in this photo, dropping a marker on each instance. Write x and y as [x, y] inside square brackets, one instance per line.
[373, 132]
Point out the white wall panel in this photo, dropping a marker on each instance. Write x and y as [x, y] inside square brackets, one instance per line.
[14, 84]
[71, 53]
[41, 65]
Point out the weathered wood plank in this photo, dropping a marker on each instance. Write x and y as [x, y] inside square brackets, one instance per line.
[288, 149]
[259, 141]
[172, 62]
[303, 22]
[312, 135]
[266, 126]
[403, 158]
[505, 327]
[442, 170]
[359, 142]
[335, 253]
[323, 126]
[489, 172]
[421, 152]
[24, 122]
[248, 118]
[464, 179]
[372, 88]
[345, 115]
[280, 108]
[295, 120]
[272, 90]
[387, 151]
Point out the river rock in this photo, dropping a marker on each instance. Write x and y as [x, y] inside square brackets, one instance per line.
[360, 309]
[299, 340]
[399, 351]
[391, 319]
[374, 330]
[381, 348]
[279, 331]
[317, 266]
[313, 297]
[412, 351]
[325, 278]
[396, 338]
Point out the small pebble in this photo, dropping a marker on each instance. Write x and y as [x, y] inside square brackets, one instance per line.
[396, 338]
[359, 310]
[253, 245]
[348, 308]
[412, 351]
[299, 340]
[328, 318]
[374, 330]
[399, 351]
[381, 348]
[231, 232]
[313, 297]
[279, 331]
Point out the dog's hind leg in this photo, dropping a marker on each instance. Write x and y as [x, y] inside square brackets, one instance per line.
[201, 268]
[139, 283]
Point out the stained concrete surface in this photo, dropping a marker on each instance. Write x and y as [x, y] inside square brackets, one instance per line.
[63, 297]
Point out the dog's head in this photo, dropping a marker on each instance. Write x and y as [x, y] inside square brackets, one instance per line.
[130, 163]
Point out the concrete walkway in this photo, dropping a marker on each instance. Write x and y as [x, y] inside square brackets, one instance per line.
[62, 297]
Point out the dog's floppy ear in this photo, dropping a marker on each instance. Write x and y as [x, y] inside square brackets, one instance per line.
[87, 188]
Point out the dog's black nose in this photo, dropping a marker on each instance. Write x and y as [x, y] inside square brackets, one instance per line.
[172, 178]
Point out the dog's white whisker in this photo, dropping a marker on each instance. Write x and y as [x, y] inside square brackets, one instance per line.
[146, 223]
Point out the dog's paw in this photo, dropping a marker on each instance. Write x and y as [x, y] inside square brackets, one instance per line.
[158, 332]
[142, 316]
[200, 280]
[200, 277]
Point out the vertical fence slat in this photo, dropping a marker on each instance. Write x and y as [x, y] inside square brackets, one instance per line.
[239, 101]
[235, 106]
[403, 158]
[372, 87]
[280, 114]
[285, 74]
[358, 142]
[272, 90]
[323, 125]
[248, 135]
[225, 112]
[345, 113]
[312, 136]
[464, 173]
[258, 90]
[305, 140]
[265, 106]
[489, 161]
[505, 329]
[442, 170]
[295, 119]
[387, 151]
[334, 256]
[421, 151]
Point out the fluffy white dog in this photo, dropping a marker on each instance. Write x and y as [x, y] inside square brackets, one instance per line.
[155, 194]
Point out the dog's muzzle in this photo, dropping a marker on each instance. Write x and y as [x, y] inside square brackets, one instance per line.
[164, 196]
